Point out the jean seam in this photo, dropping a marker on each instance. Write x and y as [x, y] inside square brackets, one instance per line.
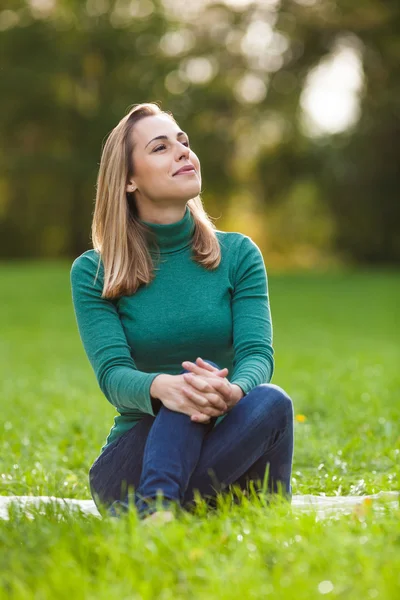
[109, 450]
[240, 472]
[280, 430]
[273, 448]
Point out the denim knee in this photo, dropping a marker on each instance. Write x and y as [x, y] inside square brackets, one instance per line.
[282, 400]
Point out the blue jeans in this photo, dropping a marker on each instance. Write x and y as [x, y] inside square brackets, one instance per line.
[172, 454]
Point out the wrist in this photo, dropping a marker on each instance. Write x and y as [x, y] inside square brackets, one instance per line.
[156, 387]
[238, 393]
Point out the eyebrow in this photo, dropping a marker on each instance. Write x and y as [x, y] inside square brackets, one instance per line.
[165, 137]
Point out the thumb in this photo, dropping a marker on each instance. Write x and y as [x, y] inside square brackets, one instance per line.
[222, 372]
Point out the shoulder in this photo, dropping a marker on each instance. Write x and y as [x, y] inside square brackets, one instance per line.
[237, 243]
[231, 239]
[86, 263]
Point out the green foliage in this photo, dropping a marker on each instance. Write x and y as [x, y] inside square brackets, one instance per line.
[70, 71]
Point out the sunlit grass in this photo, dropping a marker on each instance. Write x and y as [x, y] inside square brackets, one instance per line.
[337, 355]
[244, 550]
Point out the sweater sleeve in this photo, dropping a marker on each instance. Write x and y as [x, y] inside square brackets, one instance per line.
[253, 361]
[105, 343]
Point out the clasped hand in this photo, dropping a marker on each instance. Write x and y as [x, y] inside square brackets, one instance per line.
[208, 387]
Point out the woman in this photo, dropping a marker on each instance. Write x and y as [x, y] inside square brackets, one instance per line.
[162, 289]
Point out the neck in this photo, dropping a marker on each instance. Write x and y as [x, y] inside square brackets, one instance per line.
[162, 216]
[171, 237]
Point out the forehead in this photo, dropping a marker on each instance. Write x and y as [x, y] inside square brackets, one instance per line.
[150, 127]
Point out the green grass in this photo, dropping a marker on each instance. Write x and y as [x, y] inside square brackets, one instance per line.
[336, 340]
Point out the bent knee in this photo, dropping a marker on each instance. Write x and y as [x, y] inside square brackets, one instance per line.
[280, 397]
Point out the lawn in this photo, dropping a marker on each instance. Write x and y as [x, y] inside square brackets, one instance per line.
[336, 339]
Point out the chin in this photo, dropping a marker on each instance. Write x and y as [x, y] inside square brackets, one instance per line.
[195, 186]
[192, 195]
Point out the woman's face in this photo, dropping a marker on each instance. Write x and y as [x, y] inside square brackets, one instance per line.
[156, 162]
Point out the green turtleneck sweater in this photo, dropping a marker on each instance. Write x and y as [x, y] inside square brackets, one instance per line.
[185, 312]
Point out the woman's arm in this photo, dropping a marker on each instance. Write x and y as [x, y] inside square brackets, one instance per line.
[253, 362]
[105, 343]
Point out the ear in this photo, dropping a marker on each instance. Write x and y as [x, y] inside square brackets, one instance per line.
[131, 186]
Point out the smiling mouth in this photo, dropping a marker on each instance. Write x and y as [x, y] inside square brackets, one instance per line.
[185, 172]
[190, 170]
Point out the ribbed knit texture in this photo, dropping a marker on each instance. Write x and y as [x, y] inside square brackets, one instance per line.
[187, 311]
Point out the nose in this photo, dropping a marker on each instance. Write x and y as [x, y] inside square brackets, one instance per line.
[183, 151]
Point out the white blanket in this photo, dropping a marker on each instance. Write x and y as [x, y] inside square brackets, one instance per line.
[322, 506]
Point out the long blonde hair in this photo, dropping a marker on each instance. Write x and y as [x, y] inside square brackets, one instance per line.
[117, 234]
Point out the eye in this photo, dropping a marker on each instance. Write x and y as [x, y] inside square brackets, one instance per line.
[163, 146]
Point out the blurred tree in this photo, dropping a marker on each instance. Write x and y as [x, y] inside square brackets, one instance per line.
[358, 171]
[233, 76]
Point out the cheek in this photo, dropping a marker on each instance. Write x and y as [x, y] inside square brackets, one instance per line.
[155, 172]
[194, 159]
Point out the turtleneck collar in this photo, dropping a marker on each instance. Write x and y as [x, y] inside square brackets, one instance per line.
[173, 236]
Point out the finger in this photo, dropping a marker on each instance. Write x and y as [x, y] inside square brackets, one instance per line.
[199, 418]
[223, 372]
[190, 393]
[217, 402]
[212, 412]
[195, 414]
[221, 393]
[205, 365]
[197, 401]
[218, 384]
[210, 385]
[196, 369]
[198, 382]
[213, 399]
